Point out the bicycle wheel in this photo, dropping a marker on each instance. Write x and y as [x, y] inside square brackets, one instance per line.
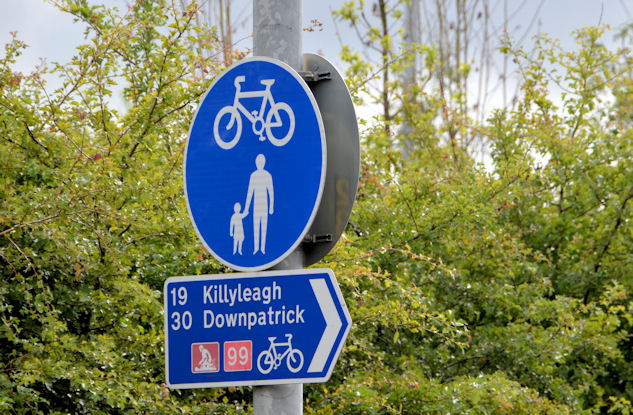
[277, 111]
[227, 137]
[295, 360]
[265, 359]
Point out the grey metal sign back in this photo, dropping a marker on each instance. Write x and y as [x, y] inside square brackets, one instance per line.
[343, 156]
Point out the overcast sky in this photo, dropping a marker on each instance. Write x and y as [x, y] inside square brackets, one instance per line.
[52, 35]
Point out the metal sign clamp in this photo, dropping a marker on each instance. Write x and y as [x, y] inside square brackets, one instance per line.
[311, 77]
[316, 239]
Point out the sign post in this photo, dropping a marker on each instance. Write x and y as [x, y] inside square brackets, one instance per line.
[277, 33]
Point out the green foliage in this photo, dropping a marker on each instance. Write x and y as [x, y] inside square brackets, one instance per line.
[92, 218]
[516, 273]
[473, 289]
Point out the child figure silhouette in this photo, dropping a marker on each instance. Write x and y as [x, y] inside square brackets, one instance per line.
[237, 228]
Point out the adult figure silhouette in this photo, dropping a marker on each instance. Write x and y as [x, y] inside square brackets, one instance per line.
[260, 190]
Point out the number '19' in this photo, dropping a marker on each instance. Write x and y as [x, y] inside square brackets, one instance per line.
[179, 296]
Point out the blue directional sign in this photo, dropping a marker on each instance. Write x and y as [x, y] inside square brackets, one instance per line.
[253, 328]
[255, 164]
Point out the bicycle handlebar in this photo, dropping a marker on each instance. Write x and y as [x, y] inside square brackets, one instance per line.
[272, 339]
[238, 80]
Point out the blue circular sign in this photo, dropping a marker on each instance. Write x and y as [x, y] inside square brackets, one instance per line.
[255, 164]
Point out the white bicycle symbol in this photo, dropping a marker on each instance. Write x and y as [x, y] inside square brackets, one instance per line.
[270, 359]
[274, 118]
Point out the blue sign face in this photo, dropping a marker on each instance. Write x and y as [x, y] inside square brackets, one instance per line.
[255, 164]
[253, 328]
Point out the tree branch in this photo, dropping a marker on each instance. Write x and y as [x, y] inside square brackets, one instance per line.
[33, 222]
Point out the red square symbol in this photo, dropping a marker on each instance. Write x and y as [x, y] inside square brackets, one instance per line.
[205, 357]
[238, 356]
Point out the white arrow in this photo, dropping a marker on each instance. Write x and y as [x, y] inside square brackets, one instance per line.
[333, 324]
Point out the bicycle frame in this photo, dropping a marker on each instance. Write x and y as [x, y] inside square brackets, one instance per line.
[273, 349]
[265, 94]
[262, 122]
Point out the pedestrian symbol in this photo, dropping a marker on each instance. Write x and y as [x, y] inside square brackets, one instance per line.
[260, 190]
[237, 229]
[255, 164]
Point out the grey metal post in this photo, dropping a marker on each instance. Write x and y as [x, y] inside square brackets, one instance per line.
[410, 72]
[277, 34]
[277, 30]
[281, 399]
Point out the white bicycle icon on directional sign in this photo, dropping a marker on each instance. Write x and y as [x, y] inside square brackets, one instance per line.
[273, 118]
[270, 359]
